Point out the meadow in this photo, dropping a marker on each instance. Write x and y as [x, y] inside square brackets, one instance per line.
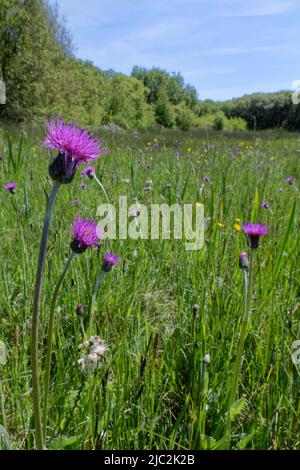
[170, 318]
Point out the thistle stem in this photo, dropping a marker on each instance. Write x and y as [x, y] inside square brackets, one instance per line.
[50, 339]
[102, 188]
[36, 318]
[239, 355]
[250, 278]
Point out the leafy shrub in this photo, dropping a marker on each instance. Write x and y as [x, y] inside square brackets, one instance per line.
[165, 114]
[185, 118]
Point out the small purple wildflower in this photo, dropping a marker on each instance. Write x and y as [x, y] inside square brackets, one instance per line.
[11, 187]
[109, 260]
[83, 186]
[75, 202]
[89, 171]
[253, 232]
[75, 146]
[206, 179]
[147, 188]
[289, 180]
[265, 204]
[85, 235]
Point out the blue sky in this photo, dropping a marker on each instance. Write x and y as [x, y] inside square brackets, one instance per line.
[225, 48]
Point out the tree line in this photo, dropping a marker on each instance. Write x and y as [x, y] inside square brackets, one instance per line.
[43, 77]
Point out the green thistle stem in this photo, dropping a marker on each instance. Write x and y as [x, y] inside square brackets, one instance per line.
[36, 318]
[50, 339]
[102, 187]
[239, 356]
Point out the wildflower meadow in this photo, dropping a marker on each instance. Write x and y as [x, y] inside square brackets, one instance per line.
[136, 342]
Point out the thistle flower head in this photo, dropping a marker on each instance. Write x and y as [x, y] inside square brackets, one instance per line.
[254, 232]
[79, 309]
[109, 260]
[265, 204]
[75, 146]
[289, 180]
[89, 171]
[85, 233]
[11, 187]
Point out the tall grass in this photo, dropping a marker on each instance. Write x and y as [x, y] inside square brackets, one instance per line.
[157, 388]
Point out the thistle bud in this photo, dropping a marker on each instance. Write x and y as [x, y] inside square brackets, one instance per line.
[62, 168]
[79, 309]
[196, 309]
[243, 261]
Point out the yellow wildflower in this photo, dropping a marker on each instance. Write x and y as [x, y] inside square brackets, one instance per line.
[237, 227]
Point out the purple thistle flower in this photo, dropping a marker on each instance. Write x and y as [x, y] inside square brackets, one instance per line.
[109, 260]
[156, 146]
[265, 205]
[253, 232]
[11, 187]
[85, 233]
[89, 171]
[289, 180]
[75, 146]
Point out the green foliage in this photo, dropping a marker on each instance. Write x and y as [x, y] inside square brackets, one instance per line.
[218, 121]
[185, 118]
[30, 59]
[126, 105]
[265, 110]
[164, 113]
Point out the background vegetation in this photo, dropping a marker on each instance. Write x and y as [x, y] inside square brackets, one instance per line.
[43, 77]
